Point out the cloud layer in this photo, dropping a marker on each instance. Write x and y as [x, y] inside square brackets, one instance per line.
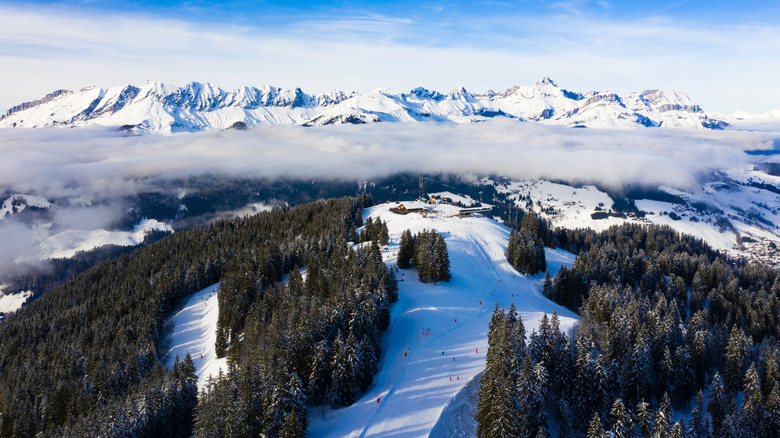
[99, 162]
[95, 166]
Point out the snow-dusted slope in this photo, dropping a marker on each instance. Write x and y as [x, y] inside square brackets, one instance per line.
[161, 108]
[739, 213]
[68, 242]
[770, 115]
[437, 339]
[12, 302]
[193, 329]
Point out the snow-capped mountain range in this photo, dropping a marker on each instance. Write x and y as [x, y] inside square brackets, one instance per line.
[161, 108]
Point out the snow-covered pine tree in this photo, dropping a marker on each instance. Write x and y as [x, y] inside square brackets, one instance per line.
[319, 377]
[642, 419]
[772, 411]
[405, 250]
[441, 260]
[547, 289]
[662, 419]
[292, 426]
[736, 351]
[697, 426]
[342, 391]
[751, 412]
[505, 419]
[618, 419]
[719, 404]
[594, 428]
[636, 372]
[769, 371]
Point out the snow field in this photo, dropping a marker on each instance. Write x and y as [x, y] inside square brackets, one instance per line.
[67, 243]
[193, 330]
[574, 207]
[437, 339]
[12, 302]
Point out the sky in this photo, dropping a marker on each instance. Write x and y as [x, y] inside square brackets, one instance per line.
[724, 54]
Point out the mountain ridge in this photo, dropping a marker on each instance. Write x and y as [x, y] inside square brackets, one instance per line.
[161, 108]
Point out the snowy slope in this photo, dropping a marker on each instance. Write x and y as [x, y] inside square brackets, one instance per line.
[12, 303]
[193, 329]
[68, 242]
[18, 202]
[161, 108]
[437, 339]
[738, 214]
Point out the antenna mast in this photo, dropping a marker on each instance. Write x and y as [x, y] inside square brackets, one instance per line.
[421, 186]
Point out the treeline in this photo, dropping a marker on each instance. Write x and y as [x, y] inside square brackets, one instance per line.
[428, 251]
[664, 320]
[70, 361]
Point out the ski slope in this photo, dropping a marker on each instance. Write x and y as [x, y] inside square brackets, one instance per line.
[193, 329]
[437, 339]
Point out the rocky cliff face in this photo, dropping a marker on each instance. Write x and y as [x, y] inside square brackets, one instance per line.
[26, 105]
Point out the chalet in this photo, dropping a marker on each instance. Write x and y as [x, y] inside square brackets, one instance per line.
[402, 209]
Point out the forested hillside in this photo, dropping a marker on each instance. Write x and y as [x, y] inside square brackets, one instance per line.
[665, 321]
[83, 360]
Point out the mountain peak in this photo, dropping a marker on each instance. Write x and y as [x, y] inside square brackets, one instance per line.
[546, 81]
[198, 106]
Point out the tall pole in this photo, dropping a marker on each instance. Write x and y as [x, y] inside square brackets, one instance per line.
[421, 186]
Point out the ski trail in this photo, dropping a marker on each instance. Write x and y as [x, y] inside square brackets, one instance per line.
[193, 329]
[442, 328]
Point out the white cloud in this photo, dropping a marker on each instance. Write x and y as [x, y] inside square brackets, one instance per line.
[101, 165]
[71, 162]
[723, 68]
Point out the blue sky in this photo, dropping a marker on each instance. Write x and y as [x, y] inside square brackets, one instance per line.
[724, 54]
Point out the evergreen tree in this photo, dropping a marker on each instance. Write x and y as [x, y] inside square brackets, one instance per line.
[772, 412]
[547, 289]
[319, 378]
[662, 421]
[343, 377]
[441, 260]
[405, 250]
[530, 224]
[505, 411]
[642, 420]
[751, 412]
[619, 419]
[697, 423]
[735, 352]
[531, 397]
[292, 426]
[677, 431]
[718, 406]
[384, 235]
[770, 371]
[636, 372]
[594, 428]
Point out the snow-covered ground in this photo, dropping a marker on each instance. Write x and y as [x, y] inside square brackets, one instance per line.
[12, 303]
[193, 329]
[22, 202]
[67, 243]
[437, 339]
[715, 212]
